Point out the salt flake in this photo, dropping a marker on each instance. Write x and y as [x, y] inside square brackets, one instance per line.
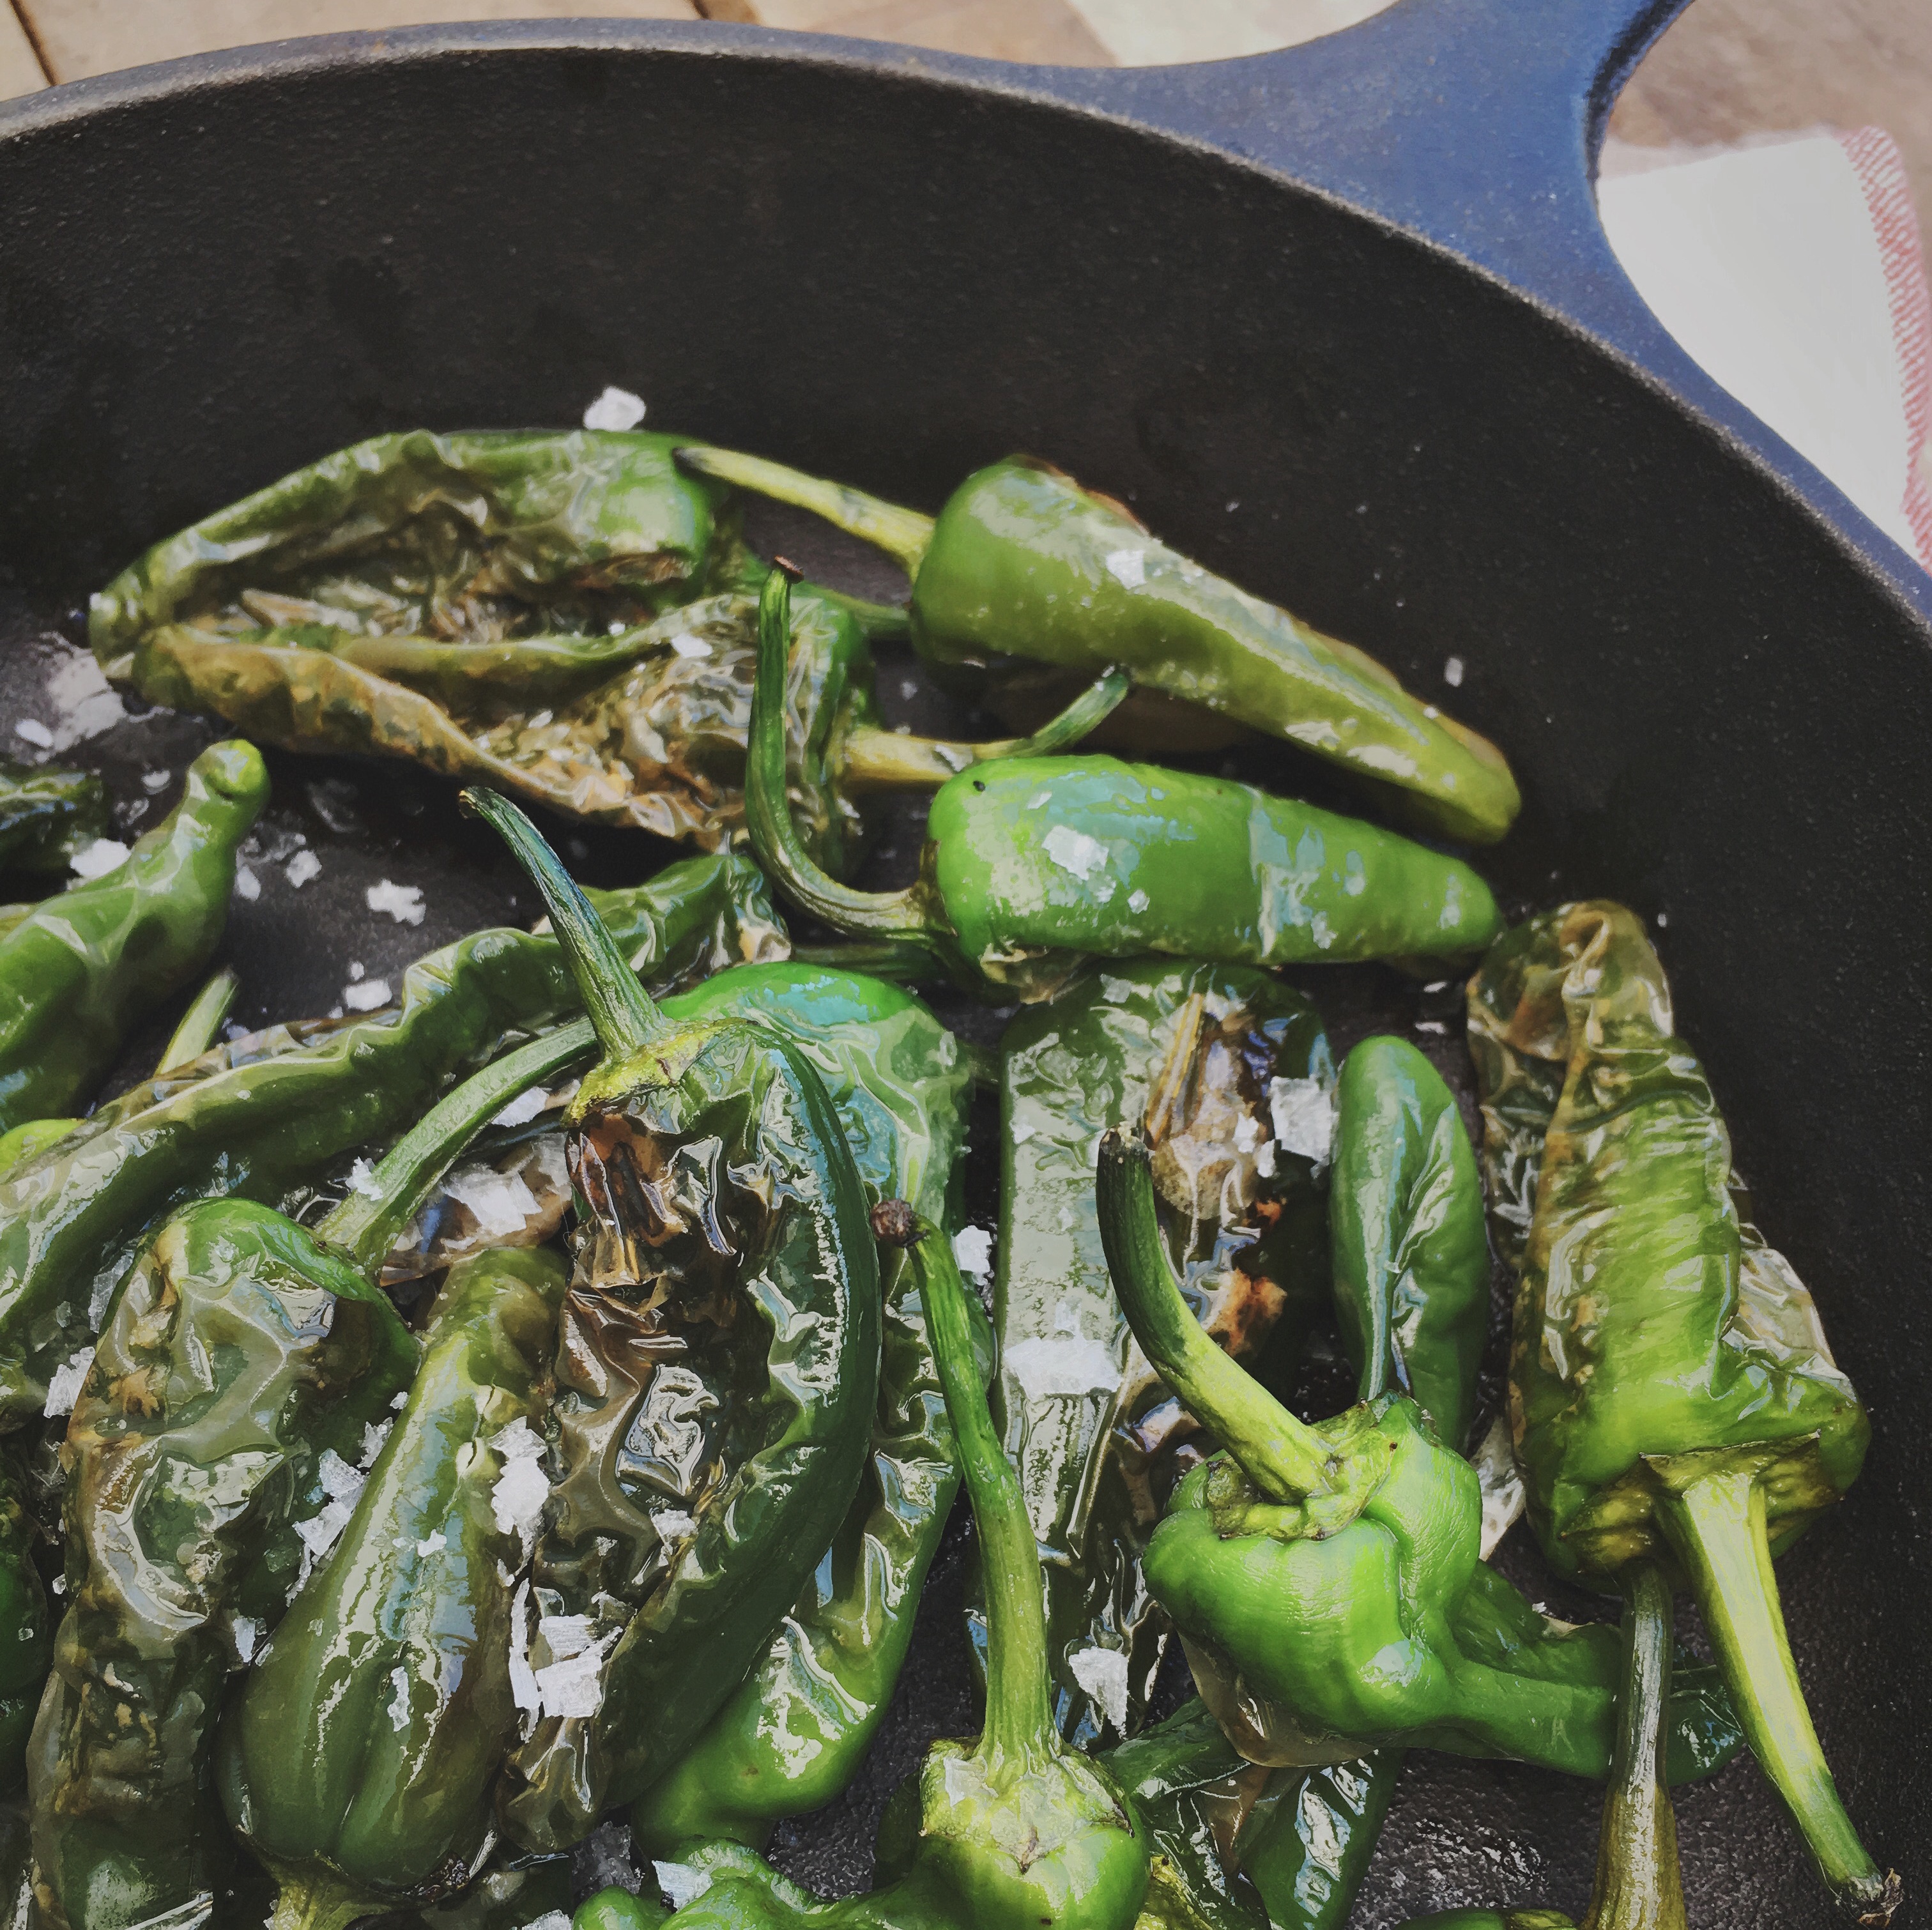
[369, 996]
[1138, 900]
[247, 884]
[64, 1383]
[98, 859]
[403, 903]
[523, 1690]
[1303, 1111]
[340, 1481]
[686, 645]
[399, 1703]
[432, 1543]
[500, 1202]
[615, 409]
[1075, 851]
[1127, 568]
[1102, 1673]
[302, 867]
[573, 1687]
[1452, 672]
[35, 732]
[973, 1252]
[524, 1108]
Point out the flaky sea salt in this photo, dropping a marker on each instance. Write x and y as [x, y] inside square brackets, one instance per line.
[1127, 568]
[399, 1703]
[98, 859]
[432, 1543]
[64, 1383]
[686, 645]
[248, 1636]
[523, 1109]
[301, 868]
[1102, 1673]
[500, 1202]
[375, 1434]
[1075, 851]
[1304, 1110]
[1138, 900]
[1452, 672]
[362, 1180]
[1062, 1366]
[973, 1252]
[403, 903]
[523, 1690]
[615, 409]
[517, 1500]
[340, 1481]
[369, 996]
[572, 1688]
[34, 731]
[247, 884]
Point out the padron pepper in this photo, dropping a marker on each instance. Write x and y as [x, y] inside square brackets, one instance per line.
[1671, 1396]
[255, 1119]
[47, 817]
[86, 966]
[1218, 1062]
[1030, 863]
[719, 1338]
[795, 1731]
[1023, 563]
[1331, 1566]
[1012, 1832]
[558, 615]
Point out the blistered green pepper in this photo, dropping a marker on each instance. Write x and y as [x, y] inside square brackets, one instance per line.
[1030, 863]
[47, 816]
[1230, 1071]
[256, 1119]
[721, 1332]
[1671, 1396]
[88, 964]
[1023, 563]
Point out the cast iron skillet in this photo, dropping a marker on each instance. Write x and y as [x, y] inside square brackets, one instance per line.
[1340, 320]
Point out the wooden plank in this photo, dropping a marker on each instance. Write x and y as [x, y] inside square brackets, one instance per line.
[1026, 30]
[84, 36]
[19, 65]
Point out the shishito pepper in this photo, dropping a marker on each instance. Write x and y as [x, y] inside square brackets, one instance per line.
[255, 1119]
[721, 1332]
[47, 816]
[87, 965]
[242, 1379]
[357, 1762]
[1218, 1061]
[1017, 1831]
[1023, 563]
[1030, 862]
[553, 614]
[1671, 1394]
[1330, 1565]
[795, 1731]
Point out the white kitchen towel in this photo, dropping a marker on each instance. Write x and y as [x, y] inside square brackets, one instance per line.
[1789, 266]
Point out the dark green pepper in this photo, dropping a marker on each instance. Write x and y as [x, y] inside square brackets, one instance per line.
[1671, 1396]
[1217, 1060]
[1016, 1831]
[357, 1761]
[1327, 1563]
[795, 1731]
[48, 816]
[1030, 862]
[721, 1334]
[26, 1628]
[254, 1119]
[1023, 562]
[80, 972]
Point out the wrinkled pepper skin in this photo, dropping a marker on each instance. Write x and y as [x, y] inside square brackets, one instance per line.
[1410, 1253]
[255, 1119]
[89, 963]
[795, 1731]
[721, 1334]
[1194, 1050]
[46, 816]
[1023, 563]
[241, 1351]
[26, 1628]
[1672, 1396]
[361, 1752]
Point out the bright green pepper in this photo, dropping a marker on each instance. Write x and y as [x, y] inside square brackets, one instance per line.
[47, 816]
[1030, 863]
[78, 974]
[1672, 1396]
[1327, 1564]
[256, 1119]
[1017, 1831]
[722, 1328]
[1023, 562]
[796, 1730]
[357, 1761]
[1212, 1058]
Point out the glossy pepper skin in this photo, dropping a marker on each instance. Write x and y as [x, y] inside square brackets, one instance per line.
[1023, 562]
[1327, 1563]
[1684, 1409]
[1197, 1053]
[357, 1762]
[794, 1732]
[1007, 1834]
[46, 816]
[1031, 862]
[243, 1378]
[87, 965]
[255, 1119]
[721, 1326]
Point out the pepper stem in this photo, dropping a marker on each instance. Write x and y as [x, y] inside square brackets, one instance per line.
[904, 534]
[1716, 1524]
[364, 1226]
[1639, 1886]
[625, 1016]
[883, 914]
[314, 1900]
[1282, 1456]
[1019, 1717]
[200, 1022]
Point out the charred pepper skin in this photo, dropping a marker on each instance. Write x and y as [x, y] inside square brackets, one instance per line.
[89, 964]
[47, 816]
[1030, 863]
[357, 1762]
[1022, 561]
[716, 1193]
[1695, 1418]
[257, 1118]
